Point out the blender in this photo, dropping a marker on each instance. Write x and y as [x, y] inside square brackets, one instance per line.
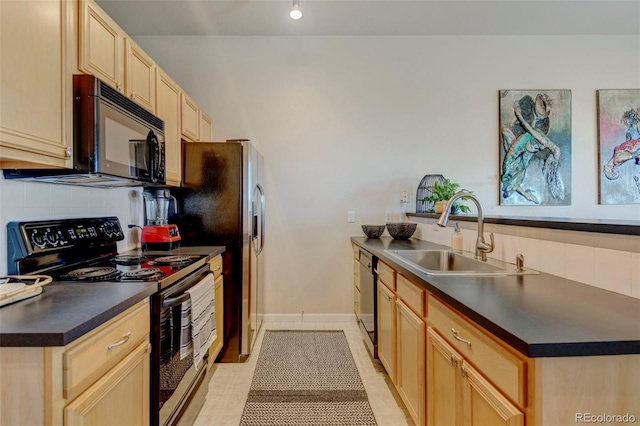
[158, 233]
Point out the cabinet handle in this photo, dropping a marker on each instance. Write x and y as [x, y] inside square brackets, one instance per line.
[133, 95]
[149, 348]
[121, 342]
[453, 360]
[120, 87]
[68, 152]
[458, 338]
[463, 371]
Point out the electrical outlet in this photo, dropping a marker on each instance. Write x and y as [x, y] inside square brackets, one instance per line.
[387, 216]
[404, 196]
[351, 216]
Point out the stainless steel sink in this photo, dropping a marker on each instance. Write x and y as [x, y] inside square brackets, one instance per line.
[446, 262]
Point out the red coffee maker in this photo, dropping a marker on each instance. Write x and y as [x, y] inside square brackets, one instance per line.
[158, 234]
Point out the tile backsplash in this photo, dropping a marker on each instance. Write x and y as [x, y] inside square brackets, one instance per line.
[607, 261]
[25, 201]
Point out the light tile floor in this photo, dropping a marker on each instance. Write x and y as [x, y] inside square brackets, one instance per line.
[229, 384]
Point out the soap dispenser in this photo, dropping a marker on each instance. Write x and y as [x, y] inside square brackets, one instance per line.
[456, 239]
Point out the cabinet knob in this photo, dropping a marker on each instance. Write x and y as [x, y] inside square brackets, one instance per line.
[463, 371]
[453, 360]
[133, 95]
[68, 152]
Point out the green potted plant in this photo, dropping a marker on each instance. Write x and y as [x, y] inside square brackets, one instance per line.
[443, 191]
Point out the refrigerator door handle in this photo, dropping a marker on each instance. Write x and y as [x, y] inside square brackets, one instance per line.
[258, 250]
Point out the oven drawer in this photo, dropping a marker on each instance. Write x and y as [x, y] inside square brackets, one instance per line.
[215, 266]
[98, 352]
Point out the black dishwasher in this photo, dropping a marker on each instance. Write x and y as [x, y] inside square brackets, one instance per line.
[368, 302]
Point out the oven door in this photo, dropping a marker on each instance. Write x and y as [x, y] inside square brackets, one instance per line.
[174, 377]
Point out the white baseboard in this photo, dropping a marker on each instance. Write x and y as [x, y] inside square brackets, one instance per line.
[309, 317]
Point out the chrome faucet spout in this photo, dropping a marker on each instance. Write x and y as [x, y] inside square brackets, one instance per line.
[482, 248]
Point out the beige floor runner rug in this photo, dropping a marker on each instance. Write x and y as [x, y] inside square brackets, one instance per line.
[306, 378]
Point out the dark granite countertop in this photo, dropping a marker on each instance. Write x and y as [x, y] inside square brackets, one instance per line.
[66, 311]
[539, 315]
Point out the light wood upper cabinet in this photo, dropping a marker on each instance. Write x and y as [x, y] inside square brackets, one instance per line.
[101, 45]
[140, 76]
[36, 48]
[206, 127]
[196, 124]
[168, 109]
[190, 119]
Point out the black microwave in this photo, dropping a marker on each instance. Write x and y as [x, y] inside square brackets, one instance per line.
[116, 142]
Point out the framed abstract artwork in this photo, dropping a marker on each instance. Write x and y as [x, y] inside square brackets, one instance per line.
[535, 147]
[619, 146]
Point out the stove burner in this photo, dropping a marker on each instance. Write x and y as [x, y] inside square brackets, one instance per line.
[172, 260]
[129, 259]
[96, 273]
[142, 274]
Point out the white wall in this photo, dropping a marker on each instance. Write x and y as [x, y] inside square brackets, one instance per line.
[346, 123]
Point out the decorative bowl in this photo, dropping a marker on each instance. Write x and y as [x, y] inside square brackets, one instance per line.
[373, 231]
[401, 230]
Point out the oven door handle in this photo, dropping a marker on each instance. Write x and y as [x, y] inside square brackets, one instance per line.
[174, 301]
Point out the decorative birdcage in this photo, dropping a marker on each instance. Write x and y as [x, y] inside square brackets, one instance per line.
[424, 190]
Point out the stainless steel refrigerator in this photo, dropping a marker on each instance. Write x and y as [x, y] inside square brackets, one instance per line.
[223, 203]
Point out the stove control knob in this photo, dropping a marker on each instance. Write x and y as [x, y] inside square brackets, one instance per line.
[51, 238]
[37, 239]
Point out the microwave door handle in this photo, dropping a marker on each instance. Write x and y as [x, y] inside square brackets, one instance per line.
[154, 153]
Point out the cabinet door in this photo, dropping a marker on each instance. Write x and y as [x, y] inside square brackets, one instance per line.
[190, 118]
[483, 404]
[101, 45]
[168, 109]
[120, 397]
[206, 127]
[356, 288]
[140, 76]
[443, 382]
[35, 106]
[218, 342]
[411, 361]
[387, 330]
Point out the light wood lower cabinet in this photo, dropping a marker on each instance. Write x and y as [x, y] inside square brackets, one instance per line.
[215, 265]
[101, 378]
[386, 328]
[411, 361]
[458, 395]
[120, 397]
[457, 373]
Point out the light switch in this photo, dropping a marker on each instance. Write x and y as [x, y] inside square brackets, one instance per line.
[404, 196]
[351, 216]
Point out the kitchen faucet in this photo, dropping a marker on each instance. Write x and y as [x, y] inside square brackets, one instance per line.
[482, 248]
